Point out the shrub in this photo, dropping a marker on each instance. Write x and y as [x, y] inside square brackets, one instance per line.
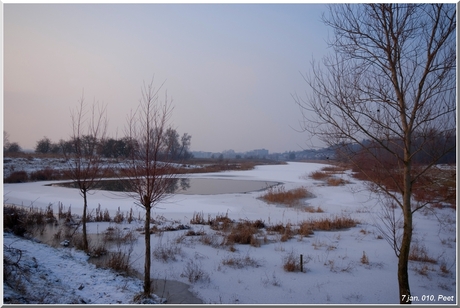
[46, 174]
[213, 240]
[13, 219]
[17, 177]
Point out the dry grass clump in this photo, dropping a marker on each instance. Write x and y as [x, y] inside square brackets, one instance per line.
[193, 272]
[311, 209]
[333, 181]
[119, 236]
[166, 252]
[419, 253]
[243, 233]
[240, 262]
[305, 229]
[195, 233]
[288, 231]
[278, 228]
[327, 176]
[220, 223]
[364, 259]
[319, 175]
[213, 240]
[119, 261]
[333, 223]
[293, 262]
[287, 234]
[290, 264]
[278, 194]
[20, 220]
[197, 219]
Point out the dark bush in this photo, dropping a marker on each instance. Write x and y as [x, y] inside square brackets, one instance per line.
[13, 220]
[17, 177]
[46, 174]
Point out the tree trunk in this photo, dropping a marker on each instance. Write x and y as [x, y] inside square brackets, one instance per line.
[85, 237]
[403, 260]
[147, 248]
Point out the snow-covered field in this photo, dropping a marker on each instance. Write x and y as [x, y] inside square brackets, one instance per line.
[334, 272]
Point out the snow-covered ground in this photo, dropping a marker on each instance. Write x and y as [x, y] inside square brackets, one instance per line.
[333, 269]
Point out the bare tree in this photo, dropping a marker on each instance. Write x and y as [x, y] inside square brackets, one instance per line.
[89, 125]
[6, 140]
[389, 87]
[150, 165]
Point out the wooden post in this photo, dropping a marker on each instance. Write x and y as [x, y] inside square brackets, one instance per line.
[301, 263]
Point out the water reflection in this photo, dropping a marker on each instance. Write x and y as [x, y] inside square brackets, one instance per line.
[125, 185]
[190, 186]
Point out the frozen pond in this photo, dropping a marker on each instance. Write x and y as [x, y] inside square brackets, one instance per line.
[192, 186]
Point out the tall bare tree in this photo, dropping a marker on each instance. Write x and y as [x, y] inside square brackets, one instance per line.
[389, 86]
[89, 125]
[151, 169]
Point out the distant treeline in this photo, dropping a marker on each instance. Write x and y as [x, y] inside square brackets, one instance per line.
[179, 146]
[429, 147]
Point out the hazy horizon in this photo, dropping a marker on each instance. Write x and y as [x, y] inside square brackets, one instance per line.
[230, 69]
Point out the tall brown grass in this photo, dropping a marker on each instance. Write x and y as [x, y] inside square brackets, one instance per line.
[278, 194]
[434, 186]
[419, 253]
[333, 223]
[319, 175]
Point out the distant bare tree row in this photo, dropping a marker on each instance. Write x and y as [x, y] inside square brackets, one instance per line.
[8, 146]
[109, 147]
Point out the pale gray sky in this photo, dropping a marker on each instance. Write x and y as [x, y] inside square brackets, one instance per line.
[229, 68]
